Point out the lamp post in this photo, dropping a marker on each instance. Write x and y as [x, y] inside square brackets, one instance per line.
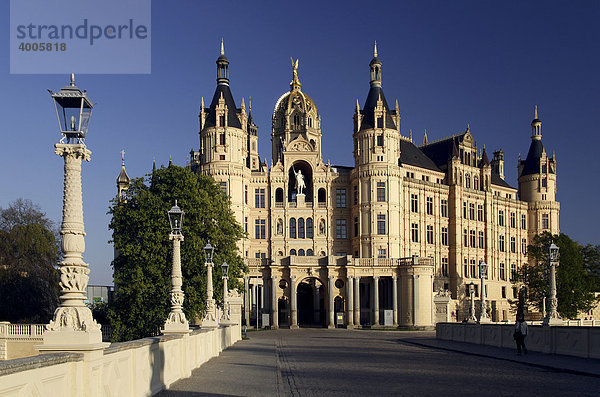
[552, 317]
[72, 324]
[176, 322]
[472, 318]
[483, 316]
[210, 316]
[226, 316]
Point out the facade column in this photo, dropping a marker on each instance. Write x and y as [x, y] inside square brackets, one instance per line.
[293, 299]
[350, 300]
[246, 301]
[331, 314]
[375, 300]
[274, 313]
[357, 301]
[395, 299]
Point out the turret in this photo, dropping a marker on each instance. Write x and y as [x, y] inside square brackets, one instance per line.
[122, 181]
[498, 163]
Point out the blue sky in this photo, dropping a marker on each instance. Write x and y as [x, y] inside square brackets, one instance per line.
[447, 63]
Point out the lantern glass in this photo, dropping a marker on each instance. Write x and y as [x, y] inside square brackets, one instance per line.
[73, 110]
[175, 218]
[209, 250]
[483, 269]
[225, 269]
[471, 288]
[553, 251]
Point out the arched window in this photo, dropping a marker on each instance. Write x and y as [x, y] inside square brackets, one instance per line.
[476, 183]
[292, 227]
[300, 252]
[309, 252]
[322, 196]
[309, 228]
[468, 181]
[279, 195]
[300, 227]
[292, 252]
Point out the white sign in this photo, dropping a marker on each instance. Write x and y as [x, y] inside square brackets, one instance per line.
[265, 320]
[388, 318]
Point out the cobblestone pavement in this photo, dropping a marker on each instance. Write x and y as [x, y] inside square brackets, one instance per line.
[320, 362]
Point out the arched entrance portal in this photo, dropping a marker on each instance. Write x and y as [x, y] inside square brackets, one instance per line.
[311, 303]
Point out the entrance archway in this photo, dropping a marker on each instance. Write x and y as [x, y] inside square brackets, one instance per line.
[311, 303]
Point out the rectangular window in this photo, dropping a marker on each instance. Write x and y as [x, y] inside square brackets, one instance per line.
[260, 228]
[382, 253]
[414, 203]
[444, 208]
[501, 218]
[355, 195]
[430, 234]
[472, 238]
[480, 213]
[523, 221]
[429, 205]
[466, 238]
[513, 244]
[414, 228]
[340, 228]
[544, 182]
[223, 186]
[503, 291]
[513, 220]
[445, 267]
[545, 221]
[246, 224]
[523, 246]
[513, 272]
[474, 272]
[501, 243]
[222, 136]
[259, 198]
[246, 194]
[471, 211]
[481, 240]
[465, 209]
[380, 224]
[502, 272]
[340, 198]
[466, 268]
[379, 137]
[356, 227]
[380, 191]
[444, 236]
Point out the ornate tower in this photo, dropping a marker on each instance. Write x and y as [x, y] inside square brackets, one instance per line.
[537, 184]
[122, 181]
[376, 180]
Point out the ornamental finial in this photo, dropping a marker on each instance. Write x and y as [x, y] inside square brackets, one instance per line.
[222, 47]
[375, 50]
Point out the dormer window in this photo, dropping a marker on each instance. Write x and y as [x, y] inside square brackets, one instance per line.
[222, 121]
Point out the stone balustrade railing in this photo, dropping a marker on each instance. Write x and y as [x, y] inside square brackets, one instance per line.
[580, 341]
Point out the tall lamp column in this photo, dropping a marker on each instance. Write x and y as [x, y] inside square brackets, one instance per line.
[226, 315]
[483, 315]
[552, 317]
[210, 316]
[176, 322]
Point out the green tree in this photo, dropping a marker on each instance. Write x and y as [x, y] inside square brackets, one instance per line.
[29, 254]
[575, 282]
[142, 268]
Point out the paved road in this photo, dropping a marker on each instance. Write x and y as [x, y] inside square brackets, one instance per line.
[319, 362]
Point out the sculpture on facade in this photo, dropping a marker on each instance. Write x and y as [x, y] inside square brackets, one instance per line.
[300, 185]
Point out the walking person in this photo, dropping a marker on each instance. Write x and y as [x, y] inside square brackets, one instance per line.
[520, 333]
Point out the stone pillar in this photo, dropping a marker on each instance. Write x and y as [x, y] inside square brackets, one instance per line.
[210, 315]
[357, 301]
[293, 305]
[552, 317]
[176, 322]
[274, 313]
[247, 301]
[376, 301]
[395, 299]
[350, 300]
[73, 326]
[330, 309]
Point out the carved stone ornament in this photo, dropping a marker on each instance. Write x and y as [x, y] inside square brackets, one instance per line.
[177, 298]
[176, 318]
[73, 278]
[73, 319]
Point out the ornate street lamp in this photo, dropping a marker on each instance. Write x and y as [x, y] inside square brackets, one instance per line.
[552, 317]
[472, 318]
[73, 323]
[210, 316]
[226, 316]
[483, 315]
[176, 322]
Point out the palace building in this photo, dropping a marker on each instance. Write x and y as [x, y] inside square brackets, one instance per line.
[395, 240]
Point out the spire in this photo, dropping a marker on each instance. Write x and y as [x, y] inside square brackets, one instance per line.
[72, 80]
[295, 84]
[375, 66]
[122, 181]
[222, 67]
[397, 107]
[535, 116]
[357, 106]
[410, 132]
[170, 162]
[536, 125]
[485, 161]
[455, 153]
[425, 137]
[153, 165]
[375, 50]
